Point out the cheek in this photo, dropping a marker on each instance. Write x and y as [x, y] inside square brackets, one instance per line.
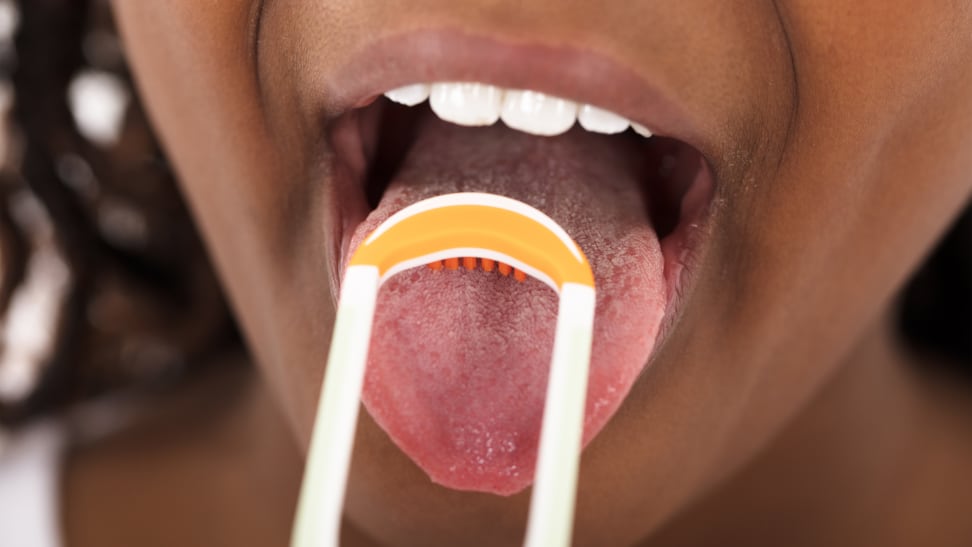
[874, 169]
[196, 74]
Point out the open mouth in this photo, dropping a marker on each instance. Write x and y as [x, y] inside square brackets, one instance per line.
[460, 350]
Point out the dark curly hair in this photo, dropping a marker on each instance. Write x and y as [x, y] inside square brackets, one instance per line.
[142, 310]
[141, 304]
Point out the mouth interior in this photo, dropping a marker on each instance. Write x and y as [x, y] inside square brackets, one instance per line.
[671, 167]
[459, 358]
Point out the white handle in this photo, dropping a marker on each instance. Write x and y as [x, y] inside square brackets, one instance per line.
[555, 484]
[321, 502]
[320, 509]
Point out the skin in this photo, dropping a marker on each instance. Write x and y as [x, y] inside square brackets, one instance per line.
[780, 409]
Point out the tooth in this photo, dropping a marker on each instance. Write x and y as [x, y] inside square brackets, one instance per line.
[539, 114]
[409, 95]
[599, 120]
[466, 103]
[640, 129]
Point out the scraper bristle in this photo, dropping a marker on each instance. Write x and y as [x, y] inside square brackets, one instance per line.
[471, 263]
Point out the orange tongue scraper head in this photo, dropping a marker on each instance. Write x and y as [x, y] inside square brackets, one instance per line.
[454, 226]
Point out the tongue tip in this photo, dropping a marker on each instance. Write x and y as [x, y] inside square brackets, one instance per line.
[466, 461]
[497, 484]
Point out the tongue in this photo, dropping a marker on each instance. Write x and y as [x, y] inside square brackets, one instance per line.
[459, 359]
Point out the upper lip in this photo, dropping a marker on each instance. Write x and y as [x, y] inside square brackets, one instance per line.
[447, 55]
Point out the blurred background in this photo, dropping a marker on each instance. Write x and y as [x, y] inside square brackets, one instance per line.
[104, 285]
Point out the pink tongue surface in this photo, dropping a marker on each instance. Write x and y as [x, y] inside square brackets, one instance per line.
[459, 359]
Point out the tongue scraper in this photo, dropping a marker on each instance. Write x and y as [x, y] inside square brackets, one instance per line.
[448, 226]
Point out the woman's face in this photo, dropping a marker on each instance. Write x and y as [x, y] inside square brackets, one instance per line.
[834, 139]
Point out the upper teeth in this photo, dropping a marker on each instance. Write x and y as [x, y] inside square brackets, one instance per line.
[466, 104]
[476, 104]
